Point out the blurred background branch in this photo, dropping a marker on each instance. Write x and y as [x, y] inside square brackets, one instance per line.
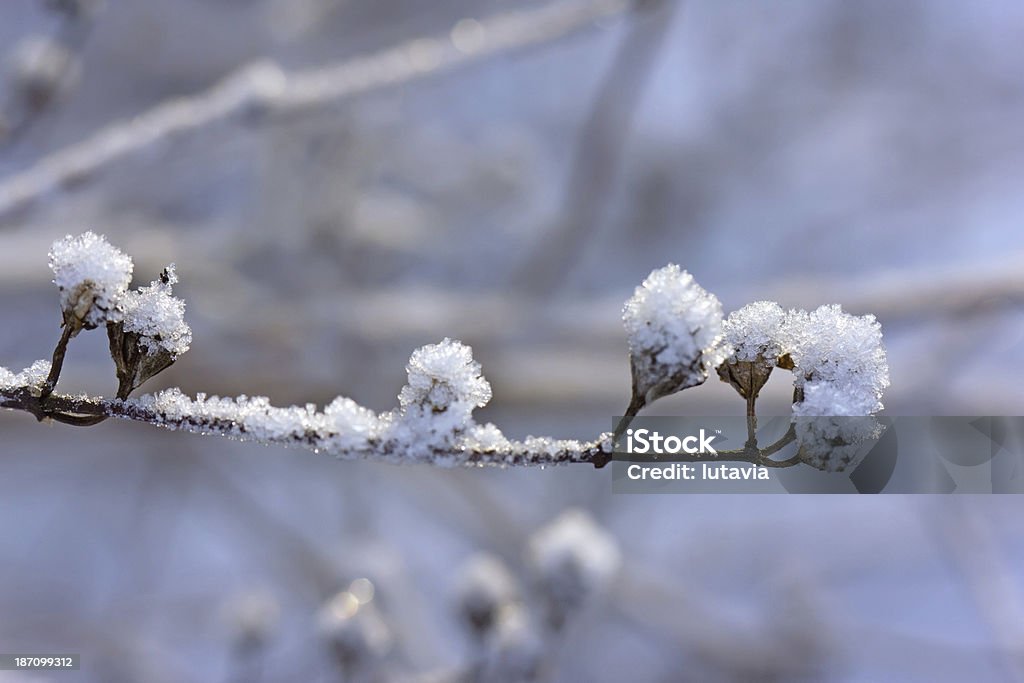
[264, 89]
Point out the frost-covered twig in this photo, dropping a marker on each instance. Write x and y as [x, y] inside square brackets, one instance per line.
[677, 338]
[264, 88]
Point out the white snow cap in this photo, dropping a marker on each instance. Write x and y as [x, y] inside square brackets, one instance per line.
[573, 557]
[444, 375]
[826, 398]
[675, 333]
[756, 330]
[157, 316]
[840, 361]
[92, 276]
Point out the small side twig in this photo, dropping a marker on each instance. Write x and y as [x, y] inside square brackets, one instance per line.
[67, 331]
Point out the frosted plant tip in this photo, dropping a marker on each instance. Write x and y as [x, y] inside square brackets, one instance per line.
[92, 277]
[675, 334]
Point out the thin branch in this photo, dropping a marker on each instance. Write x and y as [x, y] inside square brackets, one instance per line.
[86, 410]
[264, 88]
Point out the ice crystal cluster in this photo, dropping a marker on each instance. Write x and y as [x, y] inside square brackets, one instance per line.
[92, 277]
[444, 386]
[838, 358]
[157, 317]
[33, 376]
[756, 331]
[675, 334]
[342, 426]
[840, 366]
[843, 351]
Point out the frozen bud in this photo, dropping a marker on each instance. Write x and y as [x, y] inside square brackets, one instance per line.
[436, 405]
[41, 69]
[833, 425]
[354, 631]
[515, 648]
[572, 558]
[675, 334]
[485, 587]
[151, 332]
[92, 276]
[444, 376]
[755, 335]
[842, 350]
[252, 618]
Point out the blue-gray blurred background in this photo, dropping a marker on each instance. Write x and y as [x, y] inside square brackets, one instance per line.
[869, 154]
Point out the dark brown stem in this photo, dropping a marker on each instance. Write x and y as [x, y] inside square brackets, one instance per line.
[751, 422]
[58, 361]
[636, 404]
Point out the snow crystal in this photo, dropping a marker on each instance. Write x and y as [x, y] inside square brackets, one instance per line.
[436, 405]
[842, 350]
[342, 428]
[827, 398]
[756, 331]
[157, 316]
[32, 376]
[351, 425]
[675, 333]
[573, 557]
[486, 437]
[445, 375]
[92, 277]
